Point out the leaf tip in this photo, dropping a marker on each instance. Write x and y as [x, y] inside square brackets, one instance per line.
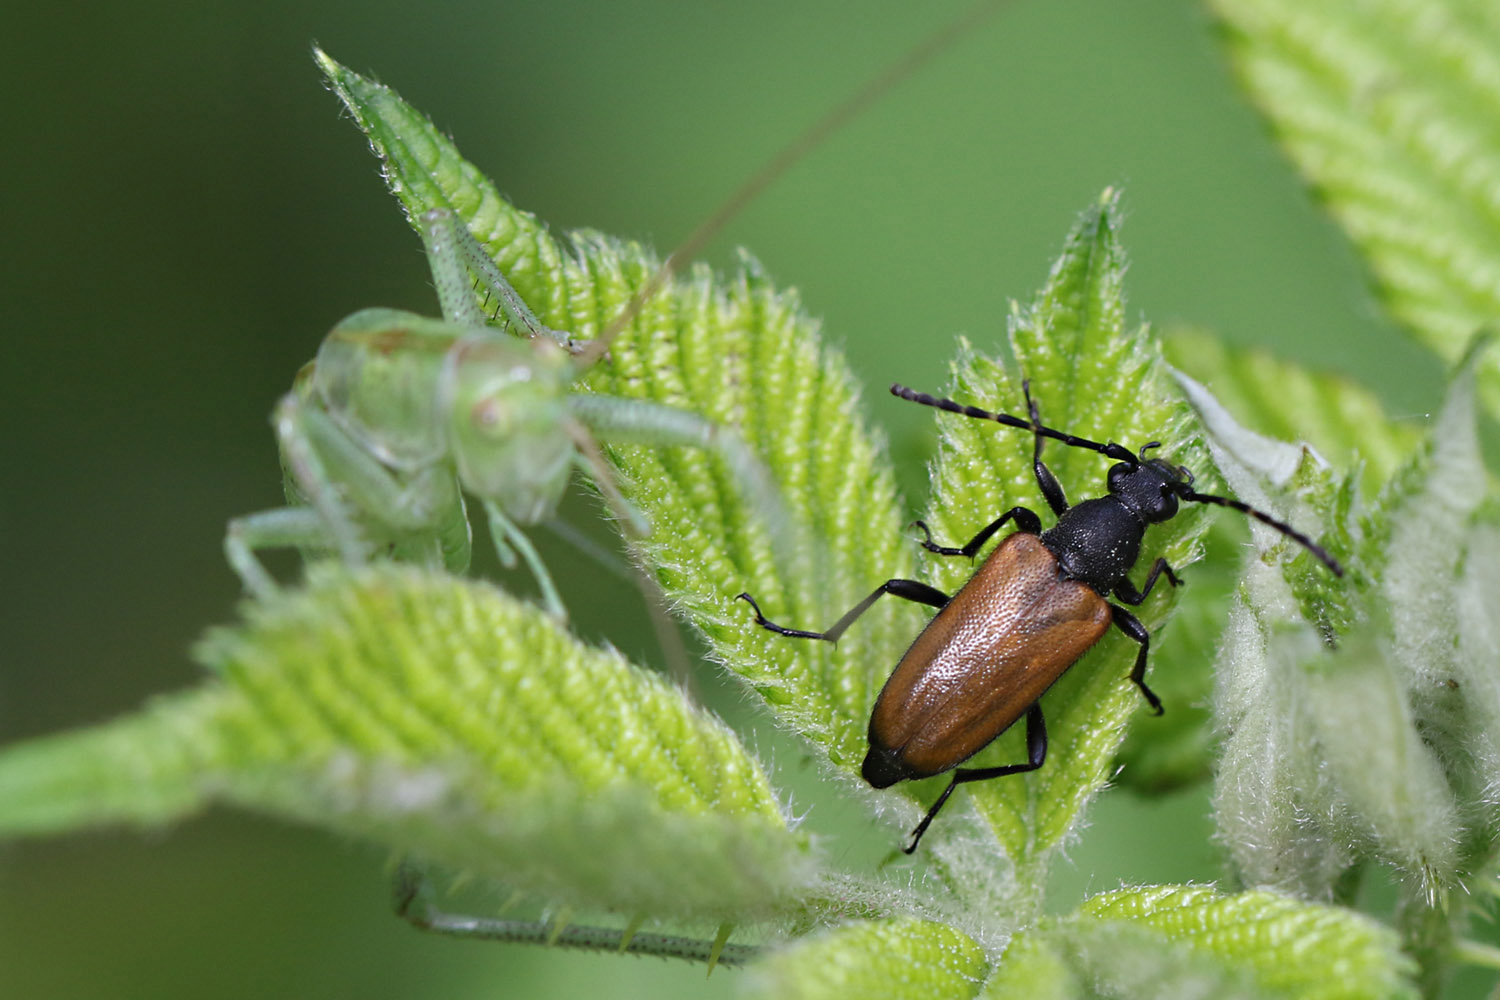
[331, 67]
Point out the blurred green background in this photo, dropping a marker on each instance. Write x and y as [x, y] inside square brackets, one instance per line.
[186, 213]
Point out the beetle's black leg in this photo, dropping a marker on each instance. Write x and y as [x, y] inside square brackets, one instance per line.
[1131, 626]
[1036, 753]
[909, 589]
[1051, 489]
[1024, 517]
[1127, 593]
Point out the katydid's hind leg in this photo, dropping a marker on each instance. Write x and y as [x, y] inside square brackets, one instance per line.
[644, 422]
[411, 895]
[639, 421]
[454, 254]
[1131, 626]
[1036, 754]
[509, 540]
[284, 527]
[911, 590]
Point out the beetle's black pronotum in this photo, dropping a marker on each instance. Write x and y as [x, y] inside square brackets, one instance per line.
[1033, 608]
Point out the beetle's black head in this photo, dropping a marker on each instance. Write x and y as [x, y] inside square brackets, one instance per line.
[1149, 487]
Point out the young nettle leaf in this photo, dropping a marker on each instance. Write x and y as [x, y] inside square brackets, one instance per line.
[1077, 958]
[1383, 747]
[1262, 754]
[1343, 420]
[899, 959]
[1327, 766]
[1194, 942]
[1269, 775]
[1099, 379]
[1438, 563]
[1277, 946]
[1347, 430]
[441, 717]
[1389, 109]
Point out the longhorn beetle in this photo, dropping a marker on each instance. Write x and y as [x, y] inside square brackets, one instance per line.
[1036, 604]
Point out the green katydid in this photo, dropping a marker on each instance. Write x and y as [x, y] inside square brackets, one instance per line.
[400, 415]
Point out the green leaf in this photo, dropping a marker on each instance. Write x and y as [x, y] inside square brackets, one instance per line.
[1321, 764]
[1084, 959]
[746, 356]
[1386, 746]
[1289, 481]
[1431, 539]
[1390, 107]
[1280, 400]
[1092, 376]
[441, 717]
[1476, 716]
[1438, 592]
[142, 770]
[1433, 536]
[1424, 525]
[1283, 400]
[1283, 946]
[1039, 966]
[897, 959]
[1190, 942]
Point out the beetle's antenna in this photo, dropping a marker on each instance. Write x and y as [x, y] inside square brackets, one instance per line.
[773, 168]
[1185, 492]
[1182, 490]
[1118, 452]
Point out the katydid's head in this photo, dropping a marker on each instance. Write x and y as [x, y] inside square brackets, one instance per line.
[506, 406]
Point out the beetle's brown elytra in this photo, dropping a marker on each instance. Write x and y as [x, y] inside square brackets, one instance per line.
[1036, 604]
[988, 654]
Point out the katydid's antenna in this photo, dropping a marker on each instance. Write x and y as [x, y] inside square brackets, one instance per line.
[799, 147]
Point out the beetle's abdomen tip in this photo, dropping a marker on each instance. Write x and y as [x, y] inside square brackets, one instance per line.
[883, 768]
